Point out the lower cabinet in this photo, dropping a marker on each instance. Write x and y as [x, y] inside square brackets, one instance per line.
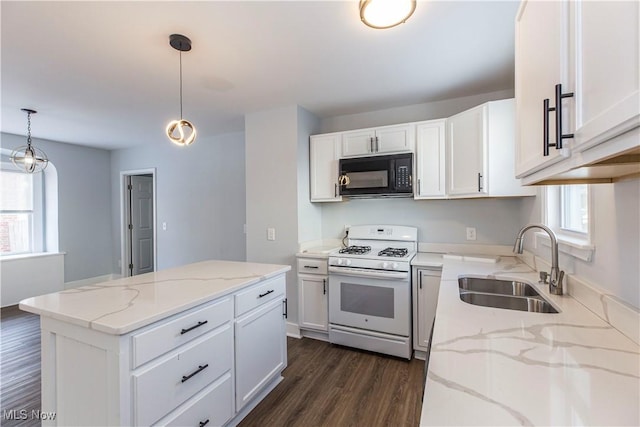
[198, 367]
[426, 287]
[261, 353]
[313, 308]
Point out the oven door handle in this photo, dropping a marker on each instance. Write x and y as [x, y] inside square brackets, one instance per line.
[377, 274]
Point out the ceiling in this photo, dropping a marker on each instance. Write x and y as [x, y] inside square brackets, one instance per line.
[102, 74]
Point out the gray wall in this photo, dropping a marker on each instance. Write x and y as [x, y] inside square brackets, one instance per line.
[84, 205]
[615, 266]
[309, 214]
[200, 195]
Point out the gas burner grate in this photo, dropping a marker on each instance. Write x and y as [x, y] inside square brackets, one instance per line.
[356, 250]
[394, 252]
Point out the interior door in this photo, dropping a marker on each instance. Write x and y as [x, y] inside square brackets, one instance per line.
[141, 224]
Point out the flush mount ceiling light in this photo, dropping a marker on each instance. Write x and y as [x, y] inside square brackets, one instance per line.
[28, 158]
[383, 14]
[181, 132]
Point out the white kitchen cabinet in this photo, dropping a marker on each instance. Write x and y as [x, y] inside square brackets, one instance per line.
[466, 157]
[383, 140]
[313, 310]
[592, 49]
[426, 286]
[261, 351]
[323, 167]
[430, 160]
[480, 156]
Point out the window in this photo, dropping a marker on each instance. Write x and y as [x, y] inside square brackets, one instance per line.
[567, 212]
[21, 212]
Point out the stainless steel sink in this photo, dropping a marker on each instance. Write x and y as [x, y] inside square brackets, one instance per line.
[494, 286]
[507, 294]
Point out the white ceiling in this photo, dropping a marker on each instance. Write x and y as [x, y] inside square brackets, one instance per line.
[102, 74]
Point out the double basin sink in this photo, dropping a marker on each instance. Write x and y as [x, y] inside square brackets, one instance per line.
[507, 294]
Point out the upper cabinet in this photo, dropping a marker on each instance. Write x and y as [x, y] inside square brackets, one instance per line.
[577, 91]
[430, 160]
[480, 152]
[384, 140]
[323, 167]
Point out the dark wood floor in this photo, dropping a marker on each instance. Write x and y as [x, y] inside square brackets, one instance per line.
[328, 385]
[19, 367]
[324, 385]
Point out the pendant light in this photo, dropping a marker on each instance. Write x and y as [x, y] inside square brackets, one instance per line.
[28, 158]
[381, 14]
[181, 132]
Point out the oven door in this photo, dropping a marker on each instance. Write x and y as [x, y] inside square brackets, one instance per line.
[375, 304]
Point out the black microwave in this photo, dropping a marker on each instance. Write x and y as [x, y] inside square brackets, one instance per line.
[377, 176]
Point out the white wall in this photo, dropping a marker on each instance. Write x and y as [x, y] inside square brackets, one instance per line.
[615, 266]
[84, 215]
[200, 195]
[277, 164]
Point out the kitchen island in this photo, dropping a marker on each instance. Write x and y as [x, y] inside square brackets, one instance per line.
[491, 366]
[198, 344]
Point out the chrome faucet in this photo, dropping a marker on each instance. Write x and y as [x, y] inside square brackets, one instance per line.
[556, 275]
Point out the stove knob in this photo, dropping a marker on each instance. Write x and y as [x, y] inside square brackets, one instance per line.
[394, 266]
[340, 261]
[347, 262]
[386, 265]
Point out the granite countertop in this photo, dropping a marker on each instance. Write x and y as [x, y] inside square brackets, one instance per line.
[502, 367]
[123, 305]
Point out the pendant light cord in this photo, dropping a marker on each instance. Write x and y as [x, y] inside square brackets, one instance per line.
[180, 85]
[29, 129]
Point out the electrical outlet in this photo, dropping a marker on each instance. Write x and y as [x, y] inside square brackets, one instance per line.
[271, 233]
[471, 233]
[346, 228]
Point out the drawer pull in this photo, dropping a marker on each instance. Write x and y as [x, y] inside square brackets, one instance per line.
[200, 369]
[311, 266]
[184, 331]
[265, 294]
[203, 423]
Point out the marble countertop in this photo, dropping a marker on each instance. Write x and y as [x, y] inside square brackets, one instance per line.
[502, 367]
[427, 259]
[123, 305]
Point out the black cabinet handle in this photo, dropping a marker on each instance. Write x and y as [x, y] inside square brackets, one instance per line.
[558, 109]
[197, 371]
[479, 182]
[203, 423]
[335, 189]
[184, 331]
[558, 114]
[266, 293]
[324, 286]
[310, 266]
[286, 309]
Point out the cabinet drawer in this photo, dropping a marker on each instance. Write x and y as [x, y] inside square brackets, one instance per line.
[259, 294]
[163, 386]
[312, 266]
[151, 343]
[213, 406]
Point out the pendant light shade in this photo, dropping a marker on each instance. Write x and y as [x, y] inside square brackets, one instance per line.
[383, 14]
[28, 158]
[181, 132]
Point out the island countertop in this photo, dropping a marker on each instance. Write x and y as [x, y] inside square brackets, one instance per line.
[120, 306]
[492, 366]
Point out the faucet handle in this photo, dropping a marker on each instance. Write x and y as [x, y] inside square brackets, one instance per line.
[543, 278]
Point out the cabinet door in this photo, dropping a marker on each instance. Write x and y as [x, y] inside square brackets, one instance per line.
[358, 143]
[430, 159]
[261, 350]
[538, 61]
[313, 302]
[466, 137]
[323, 168]
[394, 139]
[606, 50]
[425, 302]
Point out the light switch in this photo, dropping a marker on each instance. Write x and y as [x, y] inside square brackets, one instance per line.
[271, 233]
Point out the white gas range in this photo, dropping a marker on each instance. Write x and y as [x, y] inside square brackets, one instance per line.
[370, 289]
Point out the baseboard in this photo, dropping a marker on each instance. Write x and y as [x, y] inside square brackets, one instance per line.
[316, 335]
[91, 281]
[293, 330]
